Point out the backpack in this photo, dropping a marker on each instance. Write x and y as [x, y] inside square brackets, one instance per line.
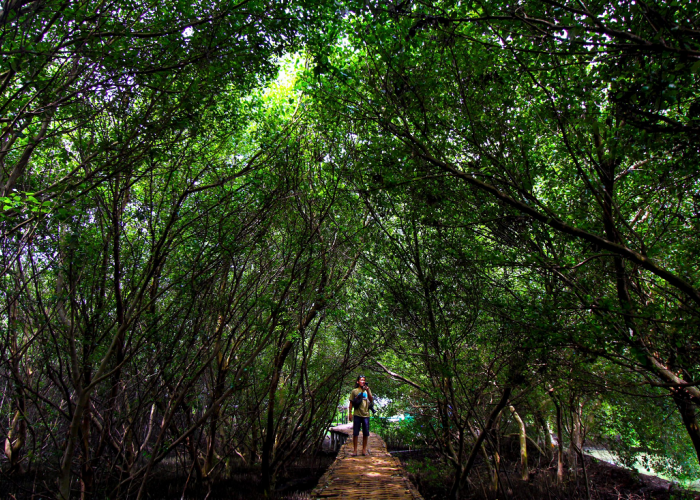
[357, 401]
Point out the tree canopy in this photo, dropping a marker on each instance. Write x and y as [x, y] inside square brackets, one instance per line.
[214, 213]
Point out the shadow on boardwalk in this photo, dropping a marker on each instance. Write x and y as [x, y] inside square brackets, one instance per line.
[376, 476]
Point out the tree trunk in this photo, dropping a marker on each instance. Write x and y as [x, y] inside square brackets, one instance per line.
[576, 438]
[16, 437]
[269, 442]
[254, 442]
[64, 474]
[209, 461]
[496, 472]
[493, 473]
[82, 392]
[579, 452]
[687, 411]
[461, 480]
[547, 434]
[524, 471]
[222, 369]
[17, 433]
[560, 446]
[87, 474]
[192, 450]
[623, 291]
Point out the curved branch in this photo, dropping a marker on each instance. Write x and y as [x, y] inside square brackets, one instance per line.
[560, 226]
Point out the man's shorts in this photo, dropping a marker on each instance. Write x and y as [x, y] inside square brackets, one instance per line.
[358, 422]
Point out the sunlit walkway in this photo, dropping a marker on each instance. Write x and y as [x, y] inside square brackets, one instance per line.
[376, 476]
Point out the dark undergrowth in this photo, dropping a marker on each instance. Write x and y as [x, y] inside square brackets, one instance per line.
[426, 469]
[294, 483]
[433, 478]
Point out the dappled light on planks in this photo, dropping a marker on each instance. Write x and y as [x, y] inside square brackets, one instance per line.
[376, 476]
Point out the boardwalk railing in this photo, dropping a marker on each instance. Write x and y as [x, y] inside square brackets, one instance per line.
[338, 438]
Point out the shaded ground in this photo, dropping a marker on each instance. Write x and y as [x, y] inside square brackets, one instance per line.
[426, 470]
[294, 484]
[606, 481]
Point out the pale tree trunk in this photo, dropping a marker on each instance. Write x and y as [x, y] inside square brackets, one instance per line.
[496, 471]
[17, 432]
[16, 437]
[575, 443]
[548, 439]
[560, 440]
[547, 434]
[560, 448]
[524, 471]
[496, 457]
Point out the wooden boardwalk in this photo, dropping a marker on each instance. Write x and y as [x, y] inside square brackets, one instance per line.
[376, 476]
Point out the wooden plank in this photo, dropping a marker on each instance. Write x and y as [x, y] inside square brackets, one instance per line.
[378, 476]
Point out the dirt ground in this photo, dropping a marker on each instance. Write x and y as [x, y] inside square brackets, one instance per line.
[295, 483]
[606, 482]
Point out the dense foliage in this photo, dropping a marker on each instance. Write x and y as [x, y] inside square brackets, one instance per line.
[213, 213]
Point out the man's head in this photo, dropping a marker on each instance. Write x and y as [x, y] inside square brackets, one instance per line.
[361, 381]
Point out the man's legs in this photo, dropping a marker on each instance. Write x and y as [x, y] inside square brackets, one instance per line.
[365, 436]
[356, 424]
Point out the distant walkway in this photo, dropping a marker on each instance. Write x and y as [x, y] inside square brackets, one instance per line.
[377, 476]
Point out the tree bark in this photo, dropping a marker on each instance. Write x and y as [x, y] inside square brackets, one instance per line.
[87, 474]
[223, 370]
[560, 448]
[17, 432]
[689, 417]
[547, 432]
[16, 436]
[462, 477]
[524, 471]
[575, 444]
[269, 442]
[64, 475]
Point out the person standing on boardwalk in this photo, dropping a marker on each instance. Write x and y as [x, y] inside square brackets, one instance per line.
[360, 400]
